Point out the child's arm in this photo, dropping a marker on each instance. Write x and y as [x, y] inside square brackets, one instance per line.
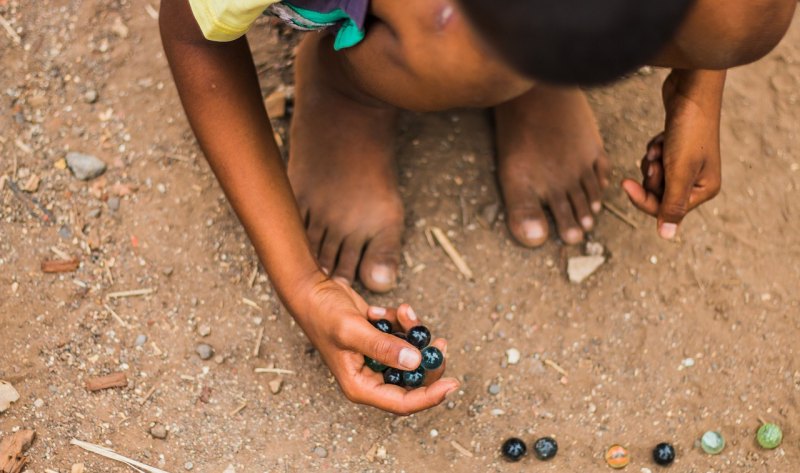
[682, 166]
[219, 88]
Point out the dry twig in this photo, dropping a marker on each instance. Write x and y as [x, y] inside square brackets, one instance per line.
[461, 449]
[273, 371]
[131, 293]
[554, 365]
[113, 380]
[620, 214]
[451, 251]
[112, 455]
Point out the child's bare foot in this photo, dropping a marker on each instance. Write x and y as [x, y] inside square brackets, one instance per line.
[550, 154]
[342, 172]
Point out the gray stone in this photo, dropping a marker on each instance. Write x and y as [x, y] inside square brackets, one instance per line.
[141, 339]
[158, 431]
[494, 389]
[113, 203]
[205, 351]
[188, 466]
[85, 166]
[320, 452]
[94, 213]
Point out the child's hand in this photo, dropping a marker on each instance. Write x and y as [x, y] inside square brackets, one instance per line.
[339, 328]
[682, 167]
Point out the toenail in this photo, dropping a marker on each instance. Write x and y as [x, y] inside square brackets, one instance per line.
[597, 207]
[325, 271]
[533, 230]
[412, 315]
[382, 274]
[587, 222]
[573, 235]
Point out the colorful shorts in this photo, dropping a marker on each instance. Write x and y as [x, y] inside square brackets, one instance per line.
[347, 16]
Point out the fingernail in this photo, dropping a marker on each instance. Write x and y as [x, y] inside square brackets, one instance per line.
[533, 229]
[597, 207]
[650, 171]
[379, 311]
[382, 274]
[325, 270]
[668, 230]
[409, 358]
[444, 350]
[412, 315]
[587, 223]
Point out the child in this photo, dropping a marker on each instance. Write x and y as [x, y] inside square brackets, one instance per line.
[339, 188]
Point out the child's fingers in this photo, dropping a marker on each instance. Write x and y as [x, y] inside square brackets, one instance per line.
[653, 176]
[359, 301]
[639, 197]
[362, 337]
[407, 318]
[402, 318]
[399, 401]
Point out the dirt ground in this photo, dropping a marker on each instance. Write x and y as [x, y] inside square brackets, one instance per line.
[90, 76]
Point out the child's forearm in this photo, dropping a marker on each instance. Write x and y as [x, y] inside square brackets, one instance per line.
[702, 87]
[218, 86]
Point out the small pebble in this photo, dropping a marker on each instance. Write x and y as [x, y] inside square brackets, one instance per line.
[168, 271]
[90, 96]
[320, 452]
[85, 166]
[204, 351]
[64, 232]
[188, 466]
[94, 213]
[38, 403]
[513, 355]
[161, 188]
[141, 339]
[434, 433]
[494, 389]
[712, 442]
[688, 362]
[275, 386]
[204, 330]
[158, 431]
[113, 203]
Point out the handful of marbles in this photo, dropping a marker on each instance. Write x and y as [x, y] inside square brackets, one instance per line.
[419, 337]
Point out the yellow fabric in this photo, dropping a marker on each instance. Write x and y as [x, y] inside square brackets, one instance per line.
[227, 20]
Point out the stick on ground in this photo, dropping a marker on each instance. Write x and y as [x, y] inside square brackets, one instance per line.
[132, 293]
[113, 380]
[273, 371]
[451, 251]
[110, 454]
[620, 214]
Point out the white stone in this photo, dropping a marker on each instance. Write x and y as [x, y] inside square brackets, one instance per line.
[7, 395]
[581, 267]
[513, 355]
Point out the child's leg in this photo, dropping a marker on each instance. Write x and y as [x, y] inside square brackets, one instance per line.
[421, 55]
[342, 171]
[550, 153]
